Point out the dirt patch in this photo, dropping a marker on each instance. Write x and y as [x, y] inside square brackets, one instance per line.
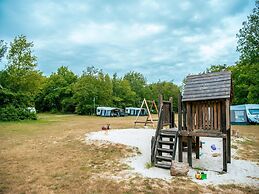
[50, 156]
[247, 145]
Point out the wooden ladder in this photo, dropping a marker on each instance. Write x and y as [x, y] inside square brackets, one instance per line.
[163, 144]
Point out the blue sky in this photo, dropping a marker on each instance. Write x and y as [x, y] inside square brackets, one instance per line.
[164, 40]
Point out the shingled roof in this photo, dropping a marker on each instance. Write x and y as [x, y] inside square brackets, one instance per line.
[207, 86]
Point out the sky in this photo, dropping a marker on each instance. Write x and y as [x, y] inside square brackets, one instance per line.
[164, 40]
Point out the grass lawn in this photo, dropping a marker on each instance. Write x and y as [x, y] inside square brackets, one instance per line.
[50, 156]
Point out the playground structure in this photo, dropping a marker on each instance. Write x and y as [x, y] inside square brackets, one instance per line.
[149, 118]
[203, 111]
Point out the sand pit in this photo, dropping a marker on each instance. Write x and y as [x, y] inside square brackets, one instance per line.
[239, 171]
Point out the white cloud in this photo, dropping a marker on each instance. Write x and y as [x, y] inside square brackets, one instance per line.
[95, 33]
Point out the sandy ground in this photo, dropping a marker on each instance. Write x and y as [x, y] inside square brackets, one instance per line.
[239, 171]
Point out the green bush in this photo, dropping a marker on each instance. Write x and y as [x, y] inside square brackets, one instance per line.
[10, 113]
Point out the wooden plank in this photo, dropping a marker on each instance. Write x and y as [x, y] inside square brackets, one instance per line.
[196, 115]
[224, 155]
[228, 146]
[211, 115]
[212, 80]
[208, 77]
[205, 116]
[207, 86]
[170, 112]
[207, 94]
[205, 98]
[188, 117]
[193, 116]
[203, 133]
[160, 100]
[197, 147]
[209, 74]
[200, 90]
[228, 128]
[180, 112]
[180, 149]
[227, 114]
[184, 117]
[215, 115]
[200, 115]
[149, 114]
[219, 115]
[189, 156]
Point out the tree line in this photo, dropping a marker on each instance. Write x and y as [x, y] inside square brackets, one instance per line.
[23, 86]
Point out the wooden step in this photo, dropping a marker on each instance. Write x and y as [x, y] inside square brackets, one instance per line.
[165, 158]
[165, 150]
[166, 166]
[162, 134]
[165, 124]
[166, 142]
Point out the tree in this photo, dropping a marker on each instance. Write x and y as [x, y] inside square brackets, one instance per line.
[138, 84]
[92, 86]
[246, 72]
[57, 92]
[167, 89]
[3, 49]
[20, 73]
[19, 81]
[248, 38]
[122, 93]
[216, 68]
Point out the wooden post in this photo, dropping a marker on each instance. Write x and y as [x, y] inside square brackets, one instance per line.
[222, 125]
[224, 155]
[160, 100]
[180, 143]
[184, 116]
[197, 147]
[228, 145]
[228, 131]
[189, 139]
[189, 128]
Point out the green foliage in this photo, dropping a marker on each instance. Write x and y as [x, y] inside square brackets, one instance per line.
[3, 49]
[92, 87]
[19, 81]
[12, 113]
[246, 83]
[216, 68]
[167, 89]
[246, 72]
[20, 74]
[138, 84]
[56, 93]
[123, 95]
[248, 38]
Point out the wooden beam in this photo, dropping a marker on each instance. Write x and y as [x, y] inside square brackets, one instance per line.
[197, 147]
[224, 155]
[139, 112]
[203, 133]
[189, 154]
[180, 142]
[180, 112]
[228, 145]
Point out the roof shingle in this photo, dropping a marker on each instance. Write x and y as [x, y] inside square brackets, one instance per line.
[207, 86]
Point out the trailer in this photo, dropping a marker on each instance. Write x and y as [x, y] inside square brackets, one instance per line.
[133, 111]
[244, 114]
[109, 112]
